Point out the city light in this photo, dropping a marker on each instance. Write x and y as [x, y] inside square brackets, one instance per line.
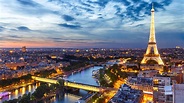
[91, 51]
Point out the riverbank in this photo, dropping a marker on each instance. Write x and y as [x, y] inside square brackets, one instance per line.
[111, 77]
[14, 83]
[10, 88]
[68, 73]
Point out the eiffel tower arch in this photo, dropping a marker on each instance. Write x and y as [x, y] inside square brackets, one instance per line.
[152, 51]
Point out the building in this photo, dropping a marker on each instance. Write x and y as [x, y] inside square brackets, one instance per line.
[126, 94]
[178, 91]
[152, 67]
[168, 92]
[147, 73]
[141, 83]
[24, 49]
[161, 89]
[15, 66]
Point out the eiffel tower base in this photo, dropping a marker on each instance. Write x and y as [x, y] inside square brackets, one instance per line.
[156, 58]
[157, 67]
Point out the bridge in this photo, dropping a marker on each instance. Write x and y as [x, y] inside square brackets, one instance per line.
[73, 84]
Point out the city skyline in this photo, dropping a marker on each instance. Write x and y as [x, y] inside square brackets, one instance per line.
[90, 23]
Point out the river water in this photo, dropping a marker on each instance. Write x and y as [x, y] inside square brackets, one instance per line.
[84, 76]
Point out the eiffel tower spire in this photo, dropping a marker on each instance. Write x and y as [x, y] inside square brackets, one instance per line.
[152, 51]
[152, 26]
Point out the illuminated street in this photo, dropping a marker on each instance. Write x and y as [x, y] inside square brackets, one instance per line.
[147, 98]
[118, 83]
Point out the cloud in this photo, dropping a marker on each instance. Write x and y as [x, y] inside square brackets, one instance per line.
[23, 28]
[138, 9]
[68, 18]
[13, 36]
[28, 3]
[139, 25]
[1, 28]
[71, 26]
[10, 38]
[99, 2]
[62, 39]
[106, 22]
[76, 40]
[125, 2]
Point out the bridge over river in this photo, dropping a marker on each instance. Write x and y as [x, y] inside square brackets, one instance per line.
[75, 85]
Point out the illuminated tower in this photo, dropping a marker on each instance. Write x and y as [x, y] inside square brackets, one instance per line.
[152, 51]
[24, 49]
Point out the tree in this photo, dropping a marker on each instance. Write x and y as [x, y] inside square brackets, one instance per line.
[25, 98]
[41, 90]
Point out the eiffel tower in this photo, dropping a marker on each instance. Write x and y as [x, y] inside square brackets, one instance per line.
[152, 51]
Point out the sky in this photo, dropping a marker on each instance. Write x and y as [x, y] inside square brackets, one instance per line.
[90, 23]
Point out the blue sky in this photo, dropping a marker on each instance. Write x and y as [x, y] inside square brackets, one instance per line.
[90, 23]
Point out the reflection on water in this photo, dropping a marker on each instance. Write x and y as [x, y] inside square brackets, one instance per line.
[84, 76]
[16, 93]
[23, 90]
[29, 88]
[68, 98]
[20, 91]
[81, 77]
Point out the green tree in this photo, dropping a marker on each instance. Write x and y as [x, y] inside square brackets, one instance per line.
[41, 90]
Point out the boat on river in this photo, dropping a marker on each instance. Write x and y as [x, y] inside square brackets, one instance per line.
[3, 94]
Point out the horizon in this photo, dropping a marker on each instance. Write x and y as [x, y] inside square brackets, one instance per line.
[86, 48]
[90, 23]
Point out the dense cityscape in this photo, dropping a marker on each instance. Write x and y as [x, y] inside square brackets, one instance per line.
[83, 74]
[120, 69]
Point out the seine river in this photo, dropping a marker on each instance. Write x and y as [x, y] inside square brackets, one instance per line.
[84, 76]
